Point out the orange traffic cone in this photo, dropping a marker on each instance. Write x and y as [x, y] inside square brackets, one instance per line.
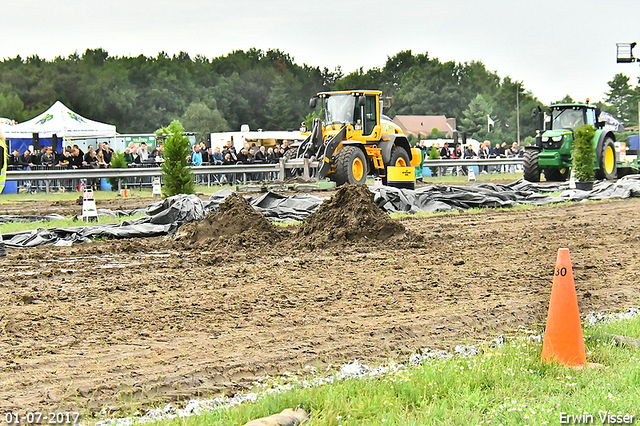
[563, 340]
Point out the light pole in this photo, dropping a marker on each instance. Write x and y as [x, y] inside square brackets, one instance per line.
[518, 111]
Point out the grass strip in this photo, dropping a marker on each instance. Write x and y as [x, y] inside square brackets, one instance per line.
[506, 385]
[10, 227]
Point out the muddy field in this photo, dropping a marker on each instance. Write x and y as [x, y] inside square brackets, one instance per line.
[154, 320]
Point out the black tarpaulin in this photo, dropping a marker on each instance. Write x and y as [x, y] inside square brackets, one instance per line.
[165, 217]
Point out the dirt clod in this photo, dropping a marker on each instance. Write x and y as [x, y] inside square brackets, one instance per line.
[349, 216]
[236, 224]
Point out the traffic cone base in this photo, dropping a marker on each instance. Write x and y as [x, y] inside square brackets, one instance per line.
[563, 339]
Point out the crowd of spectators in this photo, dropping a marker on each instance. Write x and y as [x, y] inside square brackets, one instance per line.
[139, 155]
[228, 155]
[485, 151]
[73, 157]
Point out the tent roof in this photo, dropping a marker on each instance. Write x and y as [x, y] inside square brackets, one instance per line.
[63, 122]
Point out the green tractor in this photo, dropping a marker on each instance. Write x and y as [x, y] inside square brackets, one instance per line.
[551, 155]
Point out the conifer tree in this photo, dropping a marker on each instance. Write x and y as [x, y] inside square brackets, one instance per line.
[176, 174]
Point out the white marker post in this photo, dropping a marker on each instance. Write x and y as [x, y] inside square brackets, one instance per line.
[472, 174]
[89, 211]
[157, 188]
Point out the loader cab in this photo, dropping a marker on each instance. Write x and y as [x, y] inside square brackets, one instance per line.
[358, 109]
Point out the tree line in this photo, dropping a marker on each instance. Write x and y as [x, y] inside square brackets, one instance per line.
[268, 90]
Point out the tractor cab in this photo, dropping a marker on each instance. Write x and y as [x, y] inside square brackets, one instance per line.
[571, 116]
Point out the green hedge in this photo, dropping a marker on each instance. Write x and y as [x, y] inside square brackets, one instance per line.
[583, 153]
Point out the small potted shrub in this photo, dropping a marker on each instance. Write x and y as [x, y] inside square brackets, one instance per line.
[583, 156]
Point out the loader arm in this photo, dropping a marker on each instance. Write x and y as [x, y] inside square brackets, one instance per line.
[330, 145]
[311, 146]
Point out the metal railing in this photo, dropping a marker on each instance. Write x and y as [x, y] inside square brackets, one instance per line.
[514, 161]
[306, 170]
[49, 175]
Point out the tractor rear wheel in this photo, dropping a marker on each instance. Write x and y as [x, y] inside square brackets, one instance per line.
[531, 167]
[557, 175]
[399, 158]
[608, 161]
[351, 166]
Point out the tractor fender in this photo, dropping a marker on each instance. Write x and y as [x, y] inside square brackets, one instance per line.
[394, 140]
[603, 136]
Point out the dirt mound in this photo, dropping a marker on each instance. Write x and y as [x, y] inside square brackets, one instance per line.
[237, 223]
[349, 216]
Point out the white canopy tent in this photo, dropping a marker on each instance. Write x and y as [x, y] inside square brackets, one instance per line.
[57, 120]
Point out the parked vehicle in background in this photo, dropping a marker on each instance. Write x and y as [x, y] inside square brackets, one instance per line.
[551, 156]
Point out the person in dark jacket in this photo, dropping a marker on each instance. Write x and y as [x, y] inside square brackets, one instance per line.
[87, 156]
[229, 161]
[277, 153]
[75, 160]
[260, 155]
[107, 153]
[445, 154]
[469, 152]
[48, 159]
[206, 156]
[62, 160]
[243, 157]
[485, 152]
[27, 160]
[14, 160]
[271, 156]
[75, 146]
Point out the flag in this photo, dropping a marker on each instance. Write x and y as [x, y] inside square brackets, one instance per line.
[490, 123]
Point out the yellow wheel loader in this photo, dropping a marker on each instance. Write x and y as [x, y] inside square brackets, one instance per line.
[353, 139]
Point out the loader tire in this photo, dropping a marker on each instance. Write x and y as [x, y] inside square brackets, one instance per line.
[608, 161]
[531, 167]
[351, 166]
[399, 158]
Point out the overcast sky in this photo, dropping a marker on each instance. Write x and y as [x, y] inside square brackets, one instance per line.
[554, 47]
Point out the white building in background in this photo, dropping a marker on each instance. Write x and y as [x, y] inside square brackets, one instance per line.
[259, 137]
